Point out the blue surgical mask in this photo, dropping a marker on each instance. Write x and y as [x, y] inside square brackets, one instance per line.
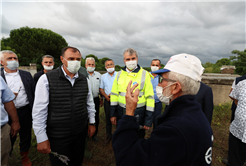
[12, 65]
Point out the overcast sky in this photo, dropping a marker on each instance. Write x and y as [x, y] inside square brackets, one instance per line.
[209, 30]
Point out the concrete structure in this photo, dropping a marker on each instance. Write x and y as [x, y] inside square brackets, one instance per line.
[220, 84]
[32, 69]
[227, 69]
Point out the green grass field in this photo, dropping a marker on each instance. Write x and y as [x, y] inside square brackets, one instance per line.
[103, 155]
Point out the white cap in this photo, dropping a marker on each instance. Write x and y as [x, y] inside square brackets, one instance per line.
[185, 64]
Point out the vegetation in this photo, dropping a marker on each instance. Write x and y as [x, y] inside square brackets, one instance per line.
[103, 155]
[31, 44]
[239, 61]
[215, 68]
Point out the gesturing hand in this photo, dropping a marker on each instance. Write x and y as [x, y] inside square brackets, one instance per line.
[131, 98]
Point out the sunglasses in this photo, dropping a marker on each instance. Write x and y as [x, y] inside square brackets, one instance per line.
[166, 79]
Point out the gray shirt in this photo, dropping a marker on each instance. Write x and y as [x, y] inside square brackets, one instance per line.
[94, 80]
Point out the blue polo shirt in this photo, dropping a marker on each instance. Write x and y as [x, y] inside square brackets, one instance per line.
[107, 82]
[6, 96]
[154, 82]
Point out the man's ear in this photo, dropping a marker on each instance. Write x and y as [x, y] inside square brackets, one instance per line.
[61, 58]
[177, 88]
[1, 62]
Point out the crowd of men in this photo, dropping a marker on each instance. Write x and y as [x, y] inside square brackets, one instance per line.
[62, 106]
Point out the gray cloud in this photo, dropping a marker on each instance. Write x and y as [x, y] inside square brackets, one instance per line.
[209, 30]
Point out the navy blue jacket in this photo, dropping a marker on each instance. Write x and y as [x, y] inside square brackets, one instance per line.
[205, 98]
[183, 137]
[28, 82]
[37, 76]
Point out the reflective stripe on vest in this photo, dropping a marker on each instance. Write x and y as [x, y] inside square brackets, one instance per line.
[124, 94]
[112, 93]
[114, 103]
[118, 76]
[138, 105]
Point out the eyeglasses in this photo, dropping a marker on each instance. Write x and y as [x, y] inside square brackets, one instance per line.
[166, 79]
[110, 65]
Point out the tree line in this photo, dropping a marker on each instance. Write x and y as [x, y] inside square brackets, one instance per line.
[30, 44]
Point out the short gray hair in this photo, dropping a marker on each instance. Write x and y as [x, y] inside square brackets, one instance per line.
[188, 85]
[90, 58]
[48, 56]
[7, 52]
[131, 51]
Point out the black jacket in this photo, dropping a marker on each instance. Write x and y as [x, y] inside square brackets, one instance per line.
[28, 82]
[183, 137]
[205, 98]
[37, 76]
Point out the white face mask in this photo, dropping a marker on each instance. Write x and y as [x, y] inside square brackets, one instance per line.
[73, 66]
[131, 65]
[48, 67]
[154, 68]
[162, 98]
[110, 70]
[12, 65]
[90, 69]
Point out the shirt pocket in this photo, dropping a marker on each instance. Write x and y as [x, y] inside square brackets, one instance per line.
[97, 82]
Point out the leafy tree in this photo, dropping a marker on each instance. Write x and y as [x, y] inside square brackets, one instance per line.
[31, 43]
[147, 68]
[102, 61]
[223, 61]
[118, 68]
[207, 64]
[239, 61]
[5, 46]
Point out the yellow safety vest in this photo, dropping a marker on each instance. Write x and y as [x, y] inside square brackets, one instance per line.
[146, 94]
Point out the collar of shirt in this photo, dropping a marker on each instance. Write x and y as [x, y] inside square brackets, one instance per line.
[90, 74]
[128, 71]
[15, 73]
[74, 77]
[154, 76]
[113, 74]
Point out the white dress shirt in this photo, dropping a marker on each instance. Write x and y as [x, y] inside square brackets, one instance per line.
[16, 85]
[41, 102]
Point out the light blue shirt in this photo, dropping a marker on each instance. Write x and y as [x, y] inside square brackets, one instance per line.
[154, 82]
[95, 82]
[6, 96]
[41, 102]
[107, 82]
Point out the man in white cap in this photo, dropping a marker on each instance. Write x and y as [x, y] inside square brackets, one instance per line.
[183, 135]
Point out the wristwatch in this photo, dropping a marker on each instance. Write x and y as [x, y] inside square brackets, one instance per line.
[93, 124]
